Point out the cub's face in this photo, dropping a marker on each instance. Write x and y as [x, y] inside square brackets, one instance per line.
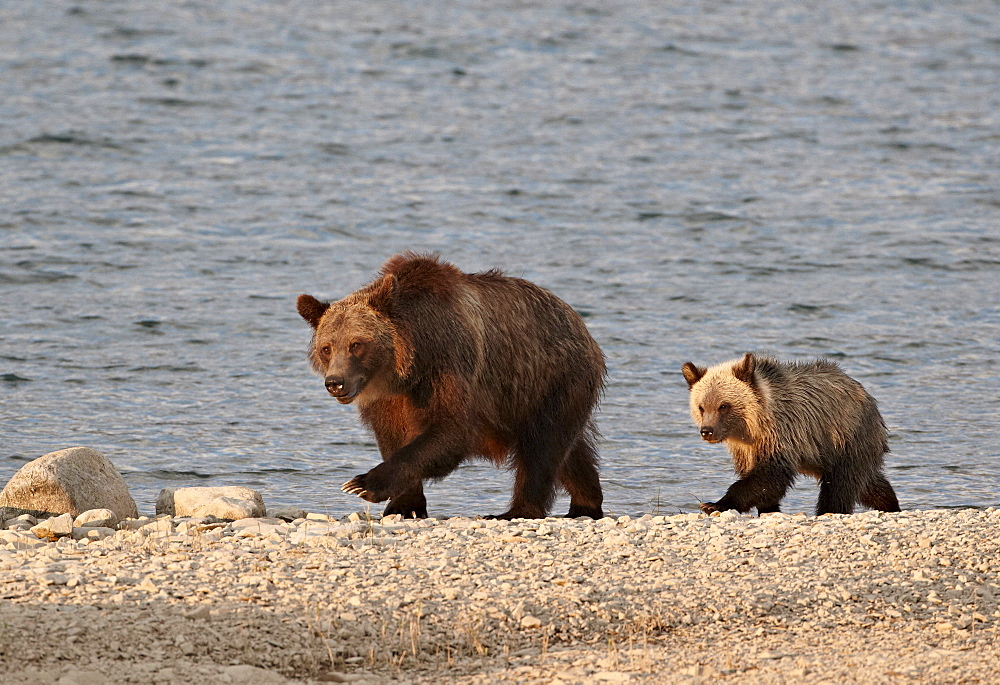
[351, 349]
[716, 417]
[719, 400]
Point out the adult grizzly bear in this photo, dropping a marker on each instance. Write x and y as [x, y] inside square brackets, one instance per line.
[781, 418]
[445, 366]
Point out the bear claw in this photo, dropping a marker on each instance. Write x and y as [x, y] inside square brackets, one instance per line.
[357, 486]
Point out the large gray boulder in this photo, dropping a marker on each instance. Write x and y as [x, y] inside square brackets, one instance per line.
[69, 481]
[231, 502]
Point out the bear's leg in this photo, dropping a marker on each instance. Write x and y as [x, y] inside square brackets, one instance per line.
[878, 494]
[534, 487]
[839, 489]
[433, 454]
[538, 455]
[411, 504]
[762, 488]
[579, 476]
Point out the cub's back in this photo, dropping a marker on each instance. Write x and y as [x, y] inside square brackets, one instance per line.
[816, 406]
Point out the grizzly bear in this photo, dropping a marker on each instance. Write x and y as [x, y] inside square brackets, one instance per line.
[445, 366]
[779, 419]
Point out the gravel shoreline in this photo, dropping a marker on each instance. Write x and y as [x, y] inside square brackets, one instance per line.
[866, 598]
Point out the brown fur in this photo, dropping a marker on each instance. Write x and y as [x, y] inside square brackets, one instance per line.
[778, 419]
[446, 365]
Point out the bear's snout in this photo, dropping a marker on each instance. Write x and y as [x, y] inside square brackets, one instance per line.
[708, 434]
[343, 388]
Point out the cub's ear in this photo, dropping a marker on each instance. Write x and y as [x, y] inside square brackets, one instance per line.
[311, 309]
[383, 293]
[692, 374]
[743, 369]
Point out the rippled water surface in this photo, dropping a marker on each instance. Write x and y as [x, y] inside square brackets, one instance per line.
[697, 179]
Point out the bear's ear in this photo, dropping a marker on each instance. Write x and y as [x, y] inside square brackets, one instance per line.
[311, 309]
[743, 369]
[692, 374]
[383, 293]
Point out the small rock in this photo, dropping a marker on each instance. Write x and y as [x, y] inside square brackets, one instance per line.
[199, 613]
[228, 503]
[24, 541]
[531, 622]
[289, 514]
[96, 518]
[92, 533]
[22, 520]
[255, 527]
[54, 578]
[54, 528]
[133, 523]
[161, 527]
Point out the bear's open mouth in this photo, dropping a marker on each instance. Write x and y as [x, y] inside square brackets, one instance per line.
[347, 395]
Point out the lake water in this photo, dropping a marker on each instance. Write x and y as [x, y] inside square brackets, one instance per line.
[697, 179]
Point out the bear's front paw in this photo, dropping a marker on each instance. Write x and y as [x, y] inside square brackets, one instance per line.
[372, 486]
[709, 507]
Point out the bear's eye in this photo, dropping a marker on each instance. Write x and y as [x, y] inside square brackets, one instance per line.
[724, 407]
[356, 348]
[701, 409]
[325, 350]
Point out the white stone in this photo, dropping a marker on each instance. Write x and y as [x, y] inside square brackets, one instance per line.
[289, 513]
[97, 518]
[133, 523]
[23, 541]
[69, 481]
[54, 528]
[255, 527]
[161, 527]
[530, 622]
[229, 502]
[92, 533]
[21, 521]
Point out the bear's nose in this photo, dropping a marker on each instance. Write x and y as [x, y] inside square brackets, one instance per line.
[334, 384]
[706, 431]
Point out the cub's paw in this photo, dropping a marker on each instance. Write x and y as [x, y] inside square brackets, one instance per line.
[709, 507]
[371, 486]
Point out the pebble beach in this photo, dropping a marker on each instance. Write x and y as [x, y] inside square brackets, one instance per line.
[687, 598]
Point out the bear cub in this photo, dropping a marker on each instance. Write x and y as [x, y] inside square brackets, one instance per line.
[445, 366]
[779, 419]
